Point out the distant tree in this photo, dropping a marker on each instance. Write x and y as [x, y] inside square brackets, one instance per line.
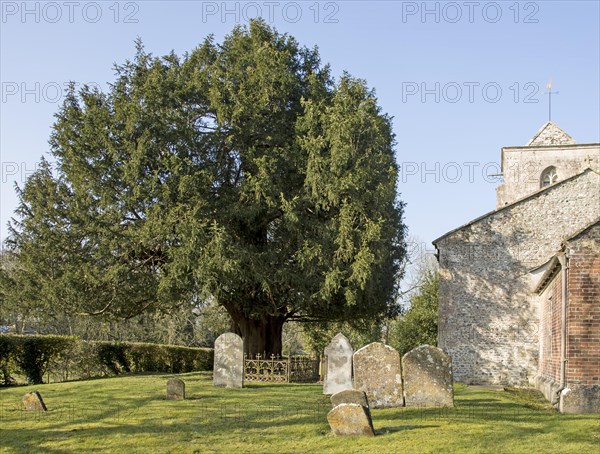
[358, 332]
[239, 173]
[419, 324]
[15, 307]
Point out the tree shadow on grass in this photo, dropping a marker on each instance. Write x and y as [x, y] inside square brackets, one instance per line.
[394, 429]
[152, 417]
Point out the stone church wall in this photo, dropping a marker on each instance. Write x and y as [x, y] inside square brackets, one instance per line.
[488, 317]
[522, 167]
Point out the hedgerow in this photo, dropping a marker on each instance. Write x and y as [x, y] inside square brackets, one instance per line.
[65, 357]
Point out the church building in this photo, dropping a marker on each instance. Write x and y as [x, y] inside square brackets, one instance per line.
[519, 292]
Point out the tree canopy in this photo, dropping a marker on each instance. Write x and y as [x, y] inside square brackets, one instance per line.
[239, 173]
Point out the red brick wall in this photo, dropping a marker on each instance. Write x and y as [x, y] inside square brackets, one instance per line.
[583, 315]
[550, 316]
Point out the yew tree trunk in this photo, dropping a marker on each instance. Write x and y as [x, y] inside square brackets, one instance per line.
[261, 335]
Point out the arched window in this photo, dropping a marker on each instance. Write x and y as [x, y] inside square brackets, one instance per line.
[549, 176]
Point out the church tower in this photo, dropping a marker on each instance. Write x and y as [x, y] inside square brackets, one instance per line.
[549, 157]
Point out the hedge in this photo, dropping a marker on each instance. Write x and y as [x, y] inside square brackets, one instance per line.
[31, 355]
[137, 357]
[66, 358]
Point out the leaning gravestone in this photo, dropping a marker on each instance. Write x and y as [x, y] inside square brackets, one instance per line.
[428, 378]
[338, 360]
[228, 370]
[175, 389]
[352, 396]
[33, 402]
[377, 373]
[350, 419]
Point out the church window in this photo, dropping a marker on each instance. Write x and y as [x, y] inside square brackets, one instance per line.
[549, 176]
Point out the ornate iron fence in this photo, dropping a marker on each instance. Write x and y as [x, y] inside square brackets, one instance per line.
[295, 369]
[304, 370]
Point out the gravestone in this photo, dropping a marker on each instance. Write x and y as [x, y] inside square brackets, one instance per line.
[377, 373]
[175, 389]
[350, 419]
[338, 363]
[33, 402]
[228, 370]
[352, 396]
[427, 378]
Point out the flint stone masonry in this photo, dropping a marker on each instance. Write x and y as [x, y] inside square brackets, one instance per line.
[519, 299]
[352, 396]
[338, 360]
[228, 371]
[377, 373]
[175, 389]
[33, 402]
[488, 315]
[522, 167]
[427, 378]
[551, 134]
[350, 419]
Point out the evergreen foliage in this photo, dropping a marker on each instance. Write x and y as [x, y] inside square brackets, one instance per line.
[239, 173]
[31, 354]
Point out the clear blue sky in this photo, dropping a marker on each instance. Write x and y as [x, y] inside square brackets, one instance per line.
[400, 48]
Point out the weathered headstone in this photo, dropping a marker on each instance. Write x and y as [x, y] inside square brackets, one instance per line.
[228, 370]
[33, 402]
[377, 373]
[350, 419]
[338, 360]
[428, 378]
[175, 389]
[352, 396]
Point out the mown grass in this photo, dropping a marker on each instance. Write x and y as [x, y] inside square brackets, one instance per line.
[130, 414]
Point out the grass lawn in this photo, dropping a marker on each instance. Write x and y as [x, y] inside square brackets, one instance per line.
[130, 414]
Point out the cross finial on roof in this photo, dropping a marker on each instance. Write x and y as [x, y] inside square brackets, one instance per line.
[550, 93]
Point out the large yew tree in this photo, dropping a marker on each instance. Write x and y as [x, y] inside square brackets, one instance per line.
[238, 173]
